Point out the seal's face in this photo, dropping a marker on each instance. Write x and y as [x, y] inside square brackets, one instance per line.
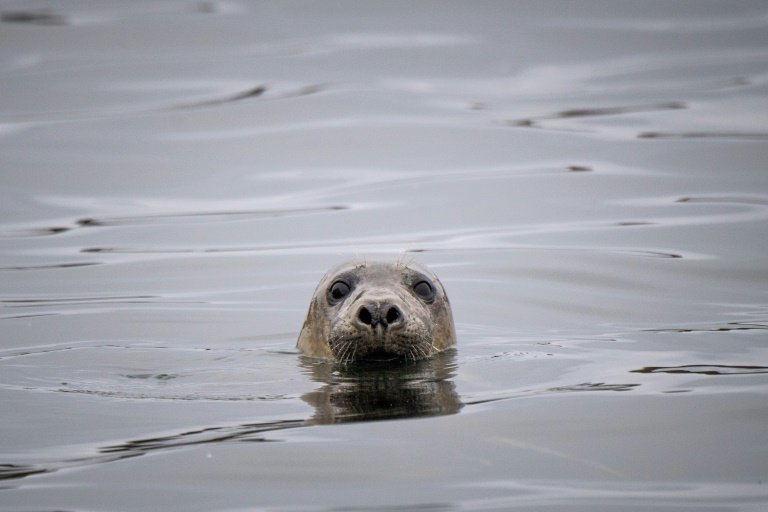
[377, 311]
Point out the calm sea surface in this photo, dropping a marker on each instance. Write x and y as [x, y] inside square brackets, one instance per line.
[589, 180]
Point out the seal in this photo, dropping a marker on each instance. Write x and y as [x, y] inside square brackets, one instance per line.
[377, 311]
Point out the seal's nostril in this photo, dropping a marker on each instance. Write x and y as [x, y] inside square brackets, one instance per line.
[393, 315]
[373, 314]
[365, 316]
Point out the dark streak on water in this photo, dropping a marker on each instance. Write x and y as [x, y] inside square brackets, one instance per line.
[136, 448]
[52, 267]
[704, 135]
[257, 91]
[43, 17]
[250, 93]
[736, 326]
[712, 369]
[197, 216]
[189, 217]
[596, 112]
[734, 200]
[77, 300]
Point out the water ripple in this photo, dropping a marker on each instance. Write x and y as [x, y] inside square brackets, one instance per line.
[705, 369]
[247, 432]
[759, 136]
[171, 217]
[597, 112]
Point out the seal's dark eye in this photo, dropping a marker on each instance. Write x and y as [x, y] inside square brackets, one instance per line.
[424, 290]
[338, 290]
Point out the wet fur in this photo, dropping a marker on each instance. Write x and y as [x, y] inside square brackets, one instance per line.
[331, 331]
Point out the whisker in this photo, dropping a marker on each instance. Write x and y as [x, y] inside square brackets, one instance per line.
[346, 356]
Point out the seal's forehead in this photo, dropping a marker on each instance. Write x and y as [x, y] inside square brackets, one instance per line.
[377, 270]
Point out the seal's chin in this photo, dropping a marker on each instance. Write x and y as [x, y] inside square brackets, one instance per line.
[380, 356]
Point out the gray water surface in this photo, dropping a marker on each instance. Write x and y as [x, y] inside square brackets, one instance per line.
[588, 179]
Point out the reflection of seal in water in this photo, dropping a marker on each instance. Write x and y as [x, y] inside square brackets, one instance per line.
[377, 311]
[382, 391]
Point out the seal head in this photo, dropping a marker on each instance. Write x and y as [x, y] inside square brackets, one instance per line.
[375, 311]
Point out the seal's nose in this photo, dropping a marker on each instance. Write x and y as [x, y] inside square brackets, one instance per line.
[386, 315]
